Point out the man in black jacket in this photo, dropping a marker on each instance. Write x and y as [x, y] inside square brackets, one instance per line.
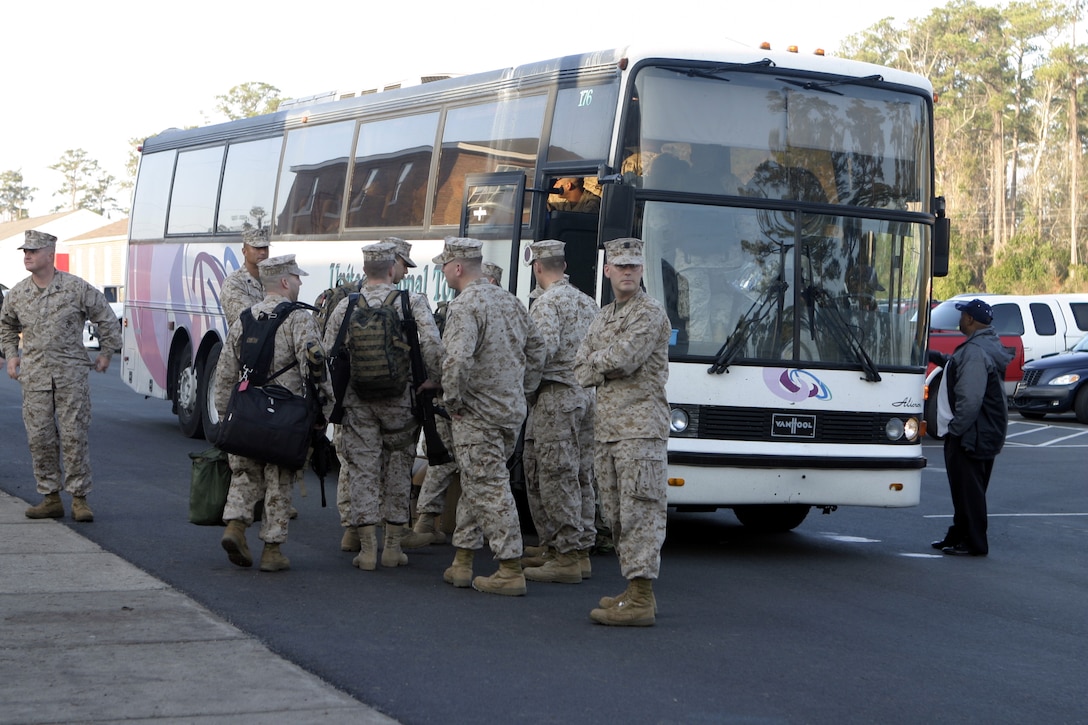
[972, 417]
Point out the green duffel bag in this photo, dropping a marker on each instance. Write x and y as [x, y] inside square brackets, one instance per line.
[208, 488]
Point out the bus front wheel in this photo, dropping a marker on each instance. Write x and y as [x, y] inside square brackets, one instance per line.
[772, 517]
[187, 393]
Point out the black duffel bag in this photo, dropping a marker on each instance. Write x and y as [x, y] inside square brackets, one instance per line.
[268, 423]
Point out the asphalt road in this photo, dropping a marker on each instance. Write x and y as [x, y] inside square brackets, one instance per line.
[852, 618]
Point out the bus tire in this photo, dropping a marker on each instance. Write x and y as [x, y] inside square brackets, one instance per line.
[206, 376]
[187, 393]
[772, 517]
[930, 410]
[1080, 404]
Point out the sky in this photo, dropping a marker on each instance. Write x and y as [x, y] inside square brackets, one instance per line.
[92, 76]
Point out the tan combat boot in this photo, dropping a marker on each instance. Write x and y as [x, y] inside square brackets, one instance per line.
[392, 556]
[50, 508]
[537, 555]
[607, 602]
[584, 563]
[234, 541]
[561, 569]
[272, 559]
[423, 533]
[367, 560]
[350, 540]
[459, 573]
[508, 580]
[80, 510]
[635, 608]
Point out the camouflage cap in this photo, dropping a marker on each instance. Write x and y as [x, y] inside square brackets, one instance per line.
[380, 252]
[38, 240]
[460, 248]
[278, 266]
[404, 249]
[546, 248]
[624, 251]
[494, 271]
[255, 237]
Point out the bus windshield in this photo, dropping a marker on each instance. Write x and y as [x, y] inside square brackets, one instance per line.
[782, 216]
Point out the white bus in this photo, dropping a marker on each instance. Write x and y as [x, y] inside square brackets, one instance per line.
[786, 202]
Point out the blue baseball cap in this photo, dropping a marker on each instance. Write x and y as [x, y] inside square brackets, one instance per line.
[977, 309]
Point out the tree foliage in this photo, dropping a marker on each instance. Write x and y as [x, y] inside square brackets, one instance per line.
[1010, 135]
[86, 185]
[15, 196]
[248, 99]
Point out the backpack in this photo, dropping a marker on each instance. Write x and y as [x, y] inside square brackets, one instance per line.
[257, 346]
[381, 364]
[327, 301]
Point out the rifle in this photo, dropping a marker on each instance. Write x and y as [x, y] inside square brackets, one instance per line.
[340, 364]
[423, 403]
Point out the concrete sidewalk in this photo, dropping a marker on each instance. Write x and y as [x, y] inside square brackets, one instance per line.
[87, 637]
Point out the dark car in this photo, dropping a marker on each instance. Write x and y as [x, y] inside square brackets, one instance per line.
[1055, 384]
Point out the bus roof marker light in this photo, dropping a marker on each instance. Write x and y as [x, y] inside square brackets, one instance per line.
[819, 51]
[676, 482]
[895, 487]
[792, 49]
[764, 45]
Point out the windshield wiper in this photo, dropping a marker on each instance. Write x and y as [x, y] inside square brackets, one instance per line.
[827, 85]
[840, 330]
[711, 73]
[755, 314]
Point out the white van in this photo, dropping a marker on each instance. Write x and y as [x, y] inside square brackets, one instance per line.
[1047, 324]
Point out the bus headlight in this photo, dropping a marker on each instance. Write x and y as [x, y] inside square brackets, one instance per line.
[910, 429]
[893, 429]
[678, 420]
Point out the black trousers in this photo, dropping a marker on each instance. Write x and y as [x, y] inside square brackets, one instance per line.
[968, 479]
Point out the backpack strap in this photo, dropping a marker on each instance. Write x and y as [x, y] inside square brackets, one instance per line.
[353, 299]
[406, 311]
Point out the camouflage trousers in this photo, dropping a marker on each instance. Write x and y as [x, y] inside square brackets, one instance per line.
[486, 508]
[56, 424]
[632, 480]
[252, 481]
[432, 494]
[376, 447]
[558, 446]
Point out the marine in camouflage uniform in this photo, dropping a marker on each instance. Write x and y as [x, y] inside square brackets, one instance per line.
[242, 288]
[494, 357]
[296, 341]
[625, 355]
[561, 494]
[50, 309]
[437, 479]
[378, 437]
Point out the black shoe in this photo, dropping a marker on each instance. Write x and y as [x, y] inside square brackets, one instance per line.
[940, 545]
[960, 550]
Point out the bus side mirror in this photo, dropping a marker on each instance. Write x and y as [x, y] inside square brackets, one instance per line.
[617, 211]
[942, 231]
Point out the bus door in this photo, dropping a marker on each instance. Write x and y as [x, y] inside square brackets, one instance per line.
[577, 225]
[493, 212]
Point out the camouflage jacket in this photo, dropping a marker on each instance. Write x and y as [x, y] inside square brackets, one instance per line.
[625, 355]
[494, 356]
[562, 314]
[51, 323]
[240, 291]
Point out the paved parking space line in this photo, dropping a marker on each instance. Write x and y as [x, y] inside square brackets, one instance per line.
[1064, 438]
